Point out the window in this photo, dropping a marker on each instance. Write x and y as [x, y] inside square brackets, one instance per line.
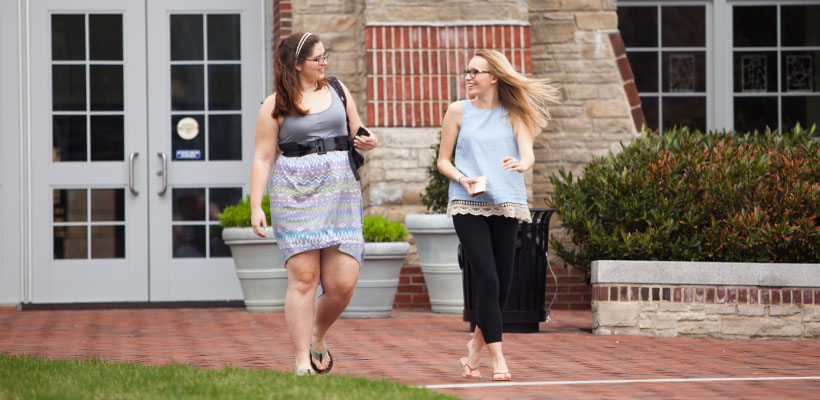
[776, 50]
[666, 45]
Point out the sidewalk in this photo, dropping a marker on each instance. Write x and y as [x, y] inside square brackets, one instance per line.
[422, 348]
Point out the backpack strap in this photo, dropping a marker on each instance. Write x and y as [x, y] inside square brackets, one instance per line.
[337, 86]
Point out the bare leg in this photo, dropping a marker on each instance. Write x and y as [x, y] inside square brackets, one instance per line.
[497, 355]
[339, 275]
[303, 278]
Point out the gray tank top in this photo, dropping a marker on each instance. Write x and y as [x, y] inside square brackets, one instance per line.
[324, 124]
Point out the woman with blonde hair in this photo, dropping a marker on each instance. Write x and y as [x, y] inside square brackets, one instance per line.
[492, 135]
[316, 201]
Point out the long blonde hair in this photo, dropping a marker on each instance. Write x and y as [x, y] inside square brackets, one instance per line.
[524, 98]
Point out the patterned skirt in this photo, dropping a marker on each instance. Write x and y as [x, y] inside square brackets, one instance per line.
[316, 202]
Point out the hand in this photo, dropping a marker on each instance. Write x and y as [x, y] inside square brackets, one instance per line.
[258, 222]
[467, 183]
[512, 164]
[362, 142]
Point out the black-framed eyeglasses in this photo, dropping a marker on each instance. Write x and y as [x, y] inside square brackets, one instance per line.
[473, 72]
[320, 59]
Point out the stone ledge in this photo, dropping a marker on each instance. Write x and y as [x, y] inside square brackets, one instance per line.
[706, 273]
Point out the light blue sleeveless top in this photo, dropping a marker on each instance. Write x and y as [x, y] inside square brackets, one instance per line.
[485, 137]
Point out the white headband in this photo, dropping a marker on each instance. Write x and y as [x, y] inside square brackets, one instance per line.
[301, 42]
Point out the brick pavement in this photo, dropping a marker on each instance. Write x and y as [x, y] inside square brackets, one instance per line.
[422, 348]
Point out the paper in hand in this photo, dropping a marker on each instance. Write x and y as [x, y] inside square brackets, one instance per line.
[478, 188]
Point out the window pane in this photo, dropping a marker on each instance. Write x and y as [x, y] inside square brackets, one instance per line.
[188, 144]
[70, 242]
[107, 138]
[189, 204]
[68, 87]
[638, 26]
[800, 72]
[799, 25]
[225, 137]
[221, 198]
[755, 113]
[106, 88]
[684, 111]
[645, 68]
[224, 87]
[107, 205]
[70, 205]
[67, 37]
[187, 92]
[186, 37]
[108, 241]
[189, 241]
[754, 26]
[650, 111]
[755, 72]
[218, 246]
[105, 36]
[683, 26]
[68, 138]
[684, 72]
[223, 37]
[805, 110]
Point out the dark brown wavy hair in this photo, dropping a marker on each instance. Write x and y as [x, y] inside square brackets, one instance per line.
[286, 77]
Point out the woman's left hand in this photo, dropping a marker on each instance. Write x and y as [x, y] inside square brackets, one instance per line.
[512, 164]
[362, 142]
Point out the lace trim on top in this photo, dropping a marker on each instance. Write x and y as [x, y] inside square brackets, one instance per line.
[509, 210]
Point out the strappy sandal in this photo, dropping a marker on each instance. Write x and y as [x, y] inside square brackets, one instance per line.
[502, 376]
[321, 357]
[470, 372]
[305, 371]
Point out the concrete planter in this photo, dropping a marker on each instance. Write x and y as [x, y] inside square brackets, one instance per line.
[259, 267]
[437, 244]
[714, 299]
[378, 280]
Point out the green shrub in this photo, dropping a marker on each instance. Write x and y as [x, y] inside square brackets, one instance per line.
[436, 194]
[690, 196]
[376, 228]
[239, 215]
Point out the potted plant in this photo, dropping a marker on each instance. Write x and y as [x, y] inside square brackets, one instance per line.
[437, 244]
[384, 253]
[259, 265]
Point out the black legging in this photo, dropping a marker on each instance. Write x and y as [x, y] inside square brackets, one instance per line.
[489, 245]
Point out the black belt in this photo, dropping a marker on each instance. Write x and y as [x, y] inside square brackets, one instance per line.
[321, 146]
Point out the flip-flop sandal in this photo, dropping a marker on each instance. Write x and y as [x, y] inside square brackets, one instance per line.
[321, 357]
[502, 376]
[470, 373]
[305, 371]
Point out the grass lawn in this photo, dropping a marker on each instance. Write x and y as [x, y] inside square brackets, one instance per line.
[26, 377]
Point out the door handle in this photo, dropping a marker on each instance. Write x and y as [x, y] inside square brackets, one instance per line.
[131, 158]
[163, 173]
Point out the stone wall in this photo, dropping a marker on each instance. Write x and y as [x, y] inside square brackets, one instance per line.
[724, 300]
[717, 311]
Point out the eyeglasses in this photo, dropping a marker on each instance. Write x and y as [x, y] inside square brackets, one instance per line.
[473, 72]
[320, 59]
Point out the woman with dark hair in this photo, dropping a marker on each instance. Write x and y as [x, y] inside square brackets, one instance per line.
[492, 135]
[315, 198]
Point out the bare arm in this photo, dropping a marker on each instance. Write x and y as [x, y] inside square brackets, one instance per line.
[524, 138]
[264, 155]
[361, 142]
[449, 135]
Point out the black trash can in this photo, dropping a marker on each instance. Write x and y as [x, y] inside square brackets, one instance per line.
[524, 309]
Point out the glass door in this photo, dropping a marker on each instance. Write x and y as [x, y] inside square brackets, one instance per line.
[205, 72]
[88, 152]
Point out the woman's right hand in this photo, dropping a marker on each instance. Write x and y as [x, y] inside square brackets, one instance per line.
[258, 221]
[467, 183]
